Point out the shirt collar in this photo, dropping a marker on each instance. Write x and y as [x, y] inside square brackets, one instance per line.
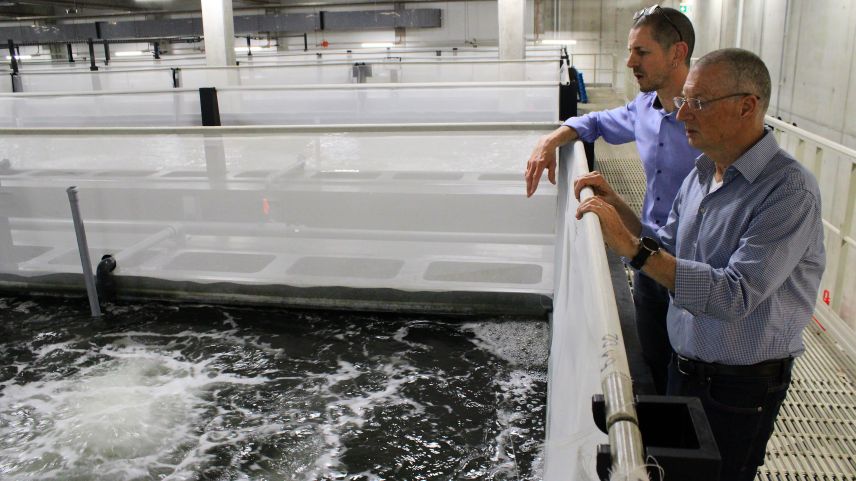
[657, 105]
[749, 165]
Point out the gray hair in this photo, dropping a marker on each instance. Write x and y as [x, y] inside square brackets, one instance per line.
[746, 70]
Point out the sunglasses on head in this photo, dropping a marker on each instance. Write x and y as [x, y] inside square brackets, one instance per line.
[651, 11]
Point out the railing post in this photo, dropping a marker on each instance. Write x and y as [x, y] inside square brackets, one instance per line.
[13, 57]
[92, 66]
[17, 86]
[70, 53]
[210, 107]
[83, 248]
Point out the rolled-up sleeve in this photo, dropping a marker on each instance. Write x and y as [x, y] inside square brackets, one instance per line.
[616, 126]
[692, 285]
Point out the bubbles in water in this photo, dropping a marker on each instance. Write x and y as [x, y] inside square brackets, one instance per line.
[522, 343]
[126, 408]
[195, 392]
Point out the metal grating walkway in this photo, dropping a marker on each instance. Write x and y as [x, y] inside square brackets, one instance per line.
[815, 436]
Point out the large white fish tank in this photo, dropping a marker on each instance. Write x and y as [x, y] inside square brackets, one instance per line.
[407, 218]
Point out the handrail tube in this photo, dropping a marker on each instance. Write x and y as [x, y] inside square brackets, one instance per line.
[784, 126]
[257, 65]
[621, 419]
[284, 129]
[371, 86]
[585, 321]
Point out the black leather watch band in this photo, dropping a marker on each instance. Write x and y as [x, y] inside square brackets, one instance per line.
[647, 248]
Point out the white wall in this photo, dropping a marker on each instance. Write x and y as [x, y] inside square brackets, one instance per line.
[808, 47]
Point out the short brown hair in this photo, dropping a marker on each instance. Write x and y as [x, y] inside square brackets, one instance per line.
[668, 27]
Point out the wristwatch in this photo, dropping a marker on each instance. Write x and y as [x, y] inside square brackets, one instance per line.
[647, 248]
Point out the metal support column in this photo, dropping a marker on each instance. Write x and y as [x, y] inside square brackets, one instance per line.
[70, 53]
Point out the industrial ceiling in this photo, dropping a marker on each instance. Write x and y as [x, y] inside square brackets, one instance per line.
[69, 9]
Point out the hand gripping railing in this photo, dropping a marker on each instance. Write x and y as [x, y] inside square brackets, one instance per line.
[587, 352]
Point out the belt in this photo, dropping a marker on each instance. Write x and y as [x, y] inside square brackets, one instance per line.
[772, 368]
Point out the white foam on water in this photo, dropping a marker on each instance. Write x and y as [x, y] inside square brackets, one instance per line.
[512, 438]
[138, 408]
[24, 307]
[521, 343]
[126, 410]
[344, 413]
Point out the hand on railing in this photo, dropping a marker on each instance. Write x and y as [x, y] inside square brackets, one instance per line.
[615, 233]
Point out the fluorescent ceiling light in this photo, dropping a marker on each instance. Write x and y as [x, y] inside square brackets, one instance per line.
[378, 45]
[254, 49]
[19, 57]
[130, 53]
[558, 42]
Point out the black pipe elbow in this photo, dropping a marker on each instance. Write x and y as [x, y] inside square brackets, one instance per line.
[105, 282]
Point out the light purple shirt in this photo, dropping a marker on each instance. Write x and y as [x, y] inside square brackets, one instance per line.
[662, 144]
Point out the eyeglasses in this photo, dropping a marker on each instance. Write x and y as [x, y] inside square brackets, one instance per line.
[654, 9]
[698, 104]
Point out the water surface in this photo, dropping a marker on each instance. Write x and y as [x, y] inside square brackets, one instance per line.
[168, 391]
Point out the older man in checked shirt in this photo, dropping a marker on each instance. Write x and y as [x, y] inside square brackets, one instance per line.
[742, 255]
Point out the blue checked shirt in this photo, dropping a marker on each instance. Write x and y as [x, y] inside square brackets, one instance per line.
[662, 143]
[750, 257]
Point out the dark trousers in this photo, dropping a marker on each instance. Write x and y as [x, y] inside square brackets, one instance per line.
[741, 410]
[652, 304]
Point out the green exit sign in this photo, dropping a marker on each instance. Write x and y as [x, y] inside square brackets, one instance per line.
[684, 8]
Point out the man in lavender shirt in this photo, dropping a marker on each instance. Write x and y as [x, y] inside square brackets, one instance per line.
[660, 44]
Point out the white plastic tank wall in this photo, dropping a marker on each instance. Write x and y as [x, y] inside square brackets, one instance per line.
[290, 105]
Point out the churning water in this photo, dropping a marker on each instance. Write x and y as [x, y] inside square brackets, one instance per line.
[196, 392]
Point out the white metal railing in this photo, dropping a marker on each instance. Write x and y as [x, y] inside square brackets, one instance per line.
[271, 55]
[587, 352]
[598, 69]
[834, 166]
[341, 72]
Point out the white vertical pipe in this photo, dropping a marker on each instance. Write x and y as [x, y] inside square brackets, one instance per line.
[511, 17]
[219, 31]
[738, 41]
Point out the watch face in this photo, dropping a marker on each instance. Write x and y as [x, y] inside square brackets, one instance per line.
[650, 244]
